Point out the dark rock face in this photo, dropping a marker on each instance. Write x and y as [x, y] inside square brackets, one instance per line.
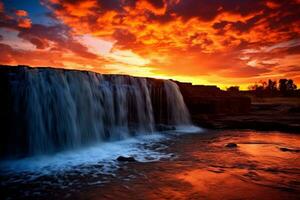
[294, 109]
[213, 108]
[202, 99]
[231, 145]
[126, 159]
[217, 105]
[266, 116]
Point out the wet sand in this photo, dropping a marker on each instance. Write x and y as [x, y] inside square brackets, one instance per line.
[205, 169]
[201, 168]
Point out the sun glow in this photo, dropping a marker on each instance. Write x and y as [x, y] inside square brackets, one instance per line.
[222, 43]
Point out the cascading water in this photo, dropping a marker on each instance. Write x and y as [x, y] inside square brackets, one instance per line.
[177, 111]
[63, 109]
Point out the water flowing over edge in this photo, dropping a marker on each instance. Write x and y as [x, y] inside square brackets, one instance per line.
[80, 113]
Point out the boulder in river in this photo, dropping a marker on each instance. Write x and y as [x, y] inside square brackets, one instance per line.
[231, 145]
[126, 159]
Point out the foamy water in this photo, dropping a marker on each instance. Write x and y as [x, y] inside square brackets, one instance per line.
[188, 129]
[145, 148]
[103, 153]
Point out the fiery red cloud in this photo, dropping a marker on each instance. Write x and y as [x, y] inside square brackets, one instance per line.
[220, 42]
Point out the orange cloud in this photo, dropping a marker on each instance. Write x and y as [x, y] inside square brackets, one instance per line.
[220, 42]
[272, 5]
[148, 27]
[159, 8]
[80, 9]
[21, 13]
[24, 23]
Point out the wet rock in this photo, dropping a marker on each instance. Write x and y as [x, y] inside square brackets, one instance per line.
[126, 159]
[284, 149]
[294, 109]
[231, 145]
[162, 127]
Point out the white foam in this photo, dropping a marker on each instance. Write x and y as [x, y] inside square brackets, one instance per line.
[188, 129]
[97, 159]
[104, 154]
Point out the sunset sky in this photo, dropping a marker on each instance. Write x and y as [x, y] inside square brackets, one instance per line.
[223, 42]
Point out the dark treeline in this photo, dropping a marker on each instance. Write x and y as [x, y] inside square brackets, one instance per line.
[284, 88]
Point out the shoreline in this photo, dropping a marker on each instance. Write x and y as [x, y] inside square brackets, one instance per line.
[270, 115]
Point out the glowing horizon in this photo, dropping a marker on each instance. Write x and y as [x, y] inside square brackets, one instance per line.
[221, 43]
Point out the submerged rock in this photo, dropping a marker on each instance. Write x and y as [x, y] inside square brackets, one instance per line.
[231, 145]
[284, 149]
[126, 159]
[163, 127]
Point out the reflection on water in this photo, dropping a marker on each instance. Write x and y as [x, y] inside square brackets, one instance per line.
[219, 184]
[258, 168]
[205, 169]
[202, 168]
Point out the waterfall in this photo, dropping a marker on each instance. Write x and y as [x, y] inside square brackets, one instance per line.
[57, 109]
[177, 111]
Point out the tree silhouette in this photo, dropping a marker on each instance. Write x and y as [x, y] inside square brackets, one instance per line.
[287, 86]
[258, 88]
[233, 89]
[272, 86]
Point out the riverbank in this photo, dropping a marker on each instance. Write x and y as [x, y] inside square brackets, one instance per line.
[213, 108]
[264, 114]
